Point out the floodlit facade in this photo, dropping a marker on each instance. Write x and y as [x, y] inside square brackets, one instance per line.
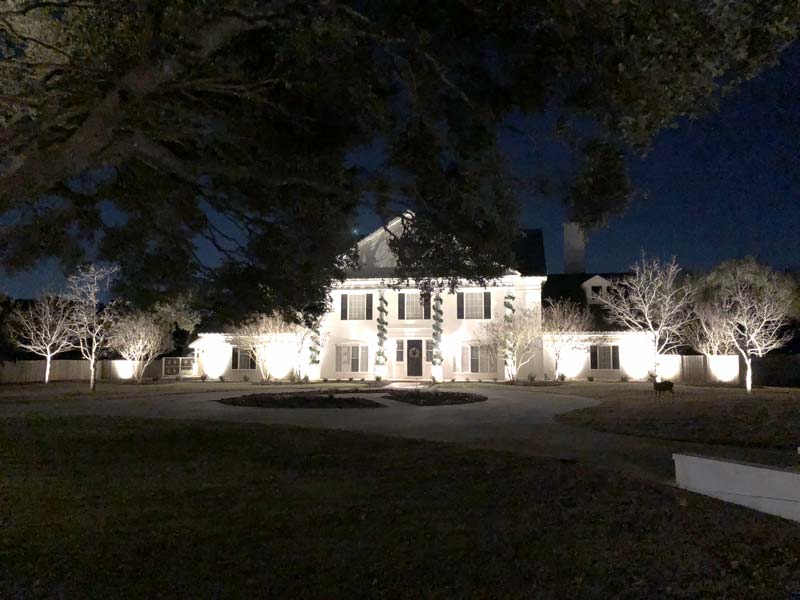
[375, 329]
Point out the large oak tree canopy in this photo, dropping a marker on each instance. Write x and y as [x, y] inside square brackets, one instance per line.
[208, 144]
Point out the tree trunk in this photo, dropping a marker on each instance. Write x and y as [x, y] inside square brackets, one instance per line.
[47, 369]
[748, 381]
[555, 367]
[92, 374]
[139, 371]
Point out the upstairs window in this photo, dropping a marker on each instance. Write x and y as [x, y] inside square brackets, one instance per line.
[413, 306]
[474, 305]
[356, 307]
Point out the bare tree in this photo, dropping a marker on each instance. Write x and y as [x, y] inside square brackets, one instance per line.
[140, 337]
[515, 336]
[43, 328]
[91, 321]
[708, 331]
[257, 334]
[751, 303]
[654, 301]
[566, 321]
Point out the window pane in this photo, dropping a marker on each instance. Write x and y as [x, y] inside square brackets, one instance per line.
[428, 350]
[474, 359]
[473, 305]
[413, 307]
[354, 359]
[364, 358]
[357, 306]
[604, 357]
[484, 362]
[399, 353]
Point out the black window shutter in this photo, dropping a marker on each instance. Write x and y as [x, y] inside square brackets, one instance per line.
[344, 307]
[234, 358]
[401, 306]
[615, 357]
[593, 357]
[487, 305]
[426, 307]
[369, 307]
[460, 305]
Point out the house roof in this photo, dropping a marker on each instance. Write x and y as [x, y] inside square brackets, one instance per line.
[377, 261]
[567, 286]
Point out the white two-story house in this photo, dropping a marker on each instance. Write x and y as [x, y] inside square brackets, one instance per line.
[349, 333]
[378, 329]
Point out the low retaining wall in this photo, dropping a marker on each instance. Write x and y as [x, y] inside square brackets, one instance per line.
[767, 489]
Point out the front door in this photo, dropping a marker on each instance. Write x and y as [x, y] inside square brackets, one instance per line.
[414, 358]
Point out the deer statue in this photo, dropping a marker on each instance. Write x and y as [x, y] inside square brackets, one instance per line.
[659, 387]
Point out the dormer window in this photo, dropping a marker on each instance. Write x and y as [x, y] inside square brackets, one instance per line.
[597, 292]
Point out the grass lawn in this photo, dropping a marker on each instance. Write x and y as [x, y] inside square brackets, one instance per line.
[111, 508]
[79, 390]
[768, 418]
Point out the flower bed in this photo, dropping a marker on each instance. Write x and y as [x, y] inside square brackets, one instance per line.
[300, 401]
[428, 398]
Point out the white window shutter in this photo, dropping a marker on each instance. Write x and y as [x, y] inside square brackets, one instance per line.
[364, 363]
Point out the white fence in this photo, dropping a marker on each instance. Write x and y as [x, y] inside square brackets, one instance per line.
[767, 489]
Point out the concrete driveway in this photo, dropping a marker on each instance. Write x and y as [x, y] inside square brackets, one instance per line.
[519, 420]
[505, 409]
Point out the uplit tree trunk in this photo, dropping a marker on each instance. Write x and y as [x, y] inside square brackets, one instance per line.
[748, 377]
[92, 374]
[48, 358]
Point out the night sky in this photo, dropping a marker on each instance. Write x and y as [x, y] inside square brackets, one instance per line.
[720, 187]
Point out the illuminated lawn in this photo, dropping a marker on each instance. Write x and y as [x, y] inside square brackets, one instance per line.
[110, 508]
[79, 390]
[768, 418]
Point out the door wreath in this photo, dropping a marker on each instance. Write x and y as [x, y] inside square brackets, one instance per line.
[413, 353]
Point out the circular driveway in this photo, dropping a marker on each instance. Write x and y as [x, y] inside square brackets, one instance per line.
[505, 412]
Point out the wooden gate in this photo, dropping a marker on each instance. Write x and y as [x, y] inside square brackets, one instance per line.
[694, 369]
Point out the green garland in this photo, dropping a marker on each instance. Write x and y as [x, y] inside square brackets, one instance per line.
[380, 356]
[436, 359]
[316, 346]
[508, 302]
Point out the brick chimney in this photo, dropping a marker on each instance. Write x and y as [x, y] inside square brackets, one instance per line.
[574, 248]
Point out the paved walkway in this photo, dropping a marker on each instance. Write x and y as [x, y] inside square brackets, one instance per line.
[514, 419]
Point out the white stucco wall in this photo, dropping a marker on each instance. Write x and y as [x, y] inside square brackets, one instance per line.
[635, 357]
[767, 489]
